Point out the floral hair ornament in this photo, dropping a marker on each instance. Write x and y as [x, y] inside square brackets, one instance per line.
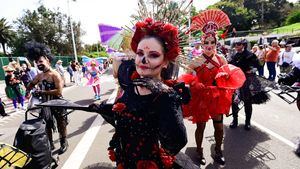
[209, 22]
[165, 31]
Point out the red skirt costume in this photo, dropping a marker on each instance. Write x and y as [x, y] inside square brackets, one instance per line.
[208, 100]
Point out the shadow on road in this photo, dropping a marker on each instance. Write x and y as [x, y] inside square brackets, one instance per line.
[85, 101]
[100, 166]
[108, 92]
[241, 150]
[85, 126]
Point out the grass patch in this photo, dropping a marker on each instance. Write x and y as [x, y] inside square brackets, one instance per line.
[287, 29]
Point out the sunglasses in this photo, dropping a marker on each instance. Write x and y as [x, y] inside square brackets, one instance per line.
[238, 43]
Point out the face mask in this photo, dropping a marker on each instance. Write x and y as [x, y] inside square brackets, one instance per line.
[41, 67]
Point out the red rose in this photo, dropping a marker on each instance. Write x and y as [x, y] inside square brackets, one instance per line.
[112, 155]
[134, 75]
[149, 20]
[170, 82]
[146, 164]
[167, 160]
[120, 166]
[119, 107]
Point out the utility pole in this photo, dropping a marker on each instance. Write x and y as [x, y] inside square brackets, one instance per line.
[262, 14]
[72, 32]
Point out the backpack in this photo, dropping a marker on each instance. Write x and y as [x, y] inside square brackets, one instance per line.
[32, 138]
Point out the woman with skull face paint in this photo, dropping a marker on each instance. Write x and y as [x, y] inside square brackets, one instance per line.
[209, 99]
[50, 86]
[147, 117]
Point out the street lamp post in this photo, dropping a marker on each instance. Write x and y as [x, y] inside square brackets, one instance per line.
[72, 33]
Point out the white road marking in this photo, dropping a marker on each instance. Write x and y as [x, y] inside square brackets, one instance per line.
[76, 158]
[272, 133]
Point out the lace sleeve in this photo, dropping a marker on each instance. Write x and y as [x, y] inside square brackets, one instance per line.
[125, 71]
[172, 132]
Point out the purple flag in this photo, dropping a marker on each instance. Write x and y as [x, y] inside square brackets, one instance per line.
[107, 32]
[110, 50]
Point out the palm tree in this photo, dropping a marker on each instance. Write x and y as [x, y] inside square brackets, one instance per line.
[5, 33]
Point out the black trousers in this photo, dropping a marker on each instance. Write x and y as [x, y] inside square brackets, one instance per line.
[2, 110]
[247, 107]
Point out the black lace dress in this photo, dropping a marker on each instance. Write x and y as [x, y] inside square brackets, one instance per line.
[149, 129]
[252, 91]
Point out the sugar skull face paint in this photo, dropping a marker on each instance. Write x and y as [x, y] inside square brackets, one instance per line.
[209, 45]
[150, 58]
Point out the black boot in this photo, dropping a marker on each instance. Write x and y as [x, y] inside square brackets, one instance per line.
[4, 114]
[234, 123]
[297, 151]
[202, 159]
[248, 112]
[219, 158]
[63, 145]
[247, 126]
[247, 123]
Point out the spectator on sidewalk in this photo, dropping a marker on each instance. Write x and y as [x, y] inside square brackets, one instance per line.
[286, 58]
[60, 69]
[83, 70]
[70, 71]
[272, 59]
[33, 71]
[16, 66]
[196, 51]
[259, 52]
[76, 72]
[15, 90]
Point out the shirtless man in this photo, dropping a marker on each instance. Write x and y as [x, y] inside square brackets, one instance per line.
[50, 85]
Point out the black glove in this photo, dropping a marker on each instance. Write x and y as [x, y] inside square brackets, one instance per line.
[154, 85]
[105, 110]
[37, 93]
[94, 107]
[280, 81]
[183, 91]
[99, 108]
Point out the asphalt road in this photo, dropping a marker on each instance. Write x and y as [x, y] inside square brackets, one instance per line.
[268, 145]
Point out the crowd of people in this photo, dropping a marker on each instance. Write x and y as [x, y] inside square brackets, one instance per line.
[151, 105]
[19, 74]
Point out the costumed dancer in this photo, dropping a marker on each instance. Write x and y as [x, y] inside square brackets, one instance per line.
[252, 91]
[50, 85]
[93, 74]
[147, 117]
[210, 86]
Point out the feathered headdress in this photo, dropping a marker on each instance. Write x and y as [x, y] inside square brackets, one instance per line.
[210, 21]
[165, 14]
[167, 32]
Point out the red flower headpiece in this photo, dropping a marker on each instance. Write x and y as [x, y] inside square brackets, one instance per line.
[167, 32]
